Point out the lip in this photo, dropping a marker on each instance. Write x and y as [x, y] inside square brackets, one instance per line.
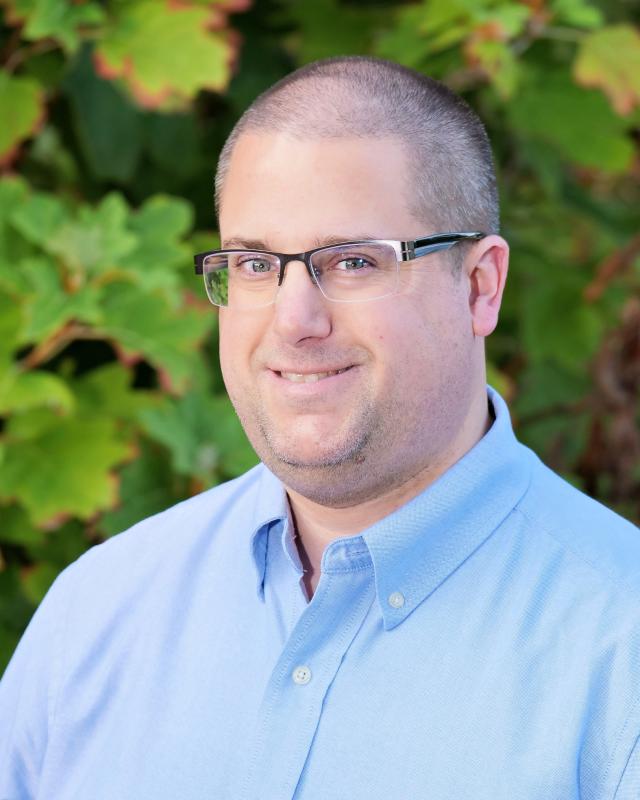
[310, 375]
[339, 376]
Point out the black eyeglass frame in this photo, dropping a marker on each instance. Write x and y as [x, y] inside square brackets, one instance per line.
[405, 250]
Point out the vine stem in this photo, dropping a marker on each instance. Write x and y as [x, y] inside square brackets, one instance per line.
[20, 54]
[46, 350]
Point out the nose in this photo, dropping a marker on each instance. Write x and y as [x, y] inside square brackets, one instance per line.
[301, 310]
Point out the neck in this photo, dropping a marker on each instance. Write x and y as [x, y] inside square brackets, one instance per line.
[317, 525]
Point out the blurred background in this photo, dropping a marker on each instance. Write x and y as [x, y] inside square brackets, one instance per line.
[112, 115]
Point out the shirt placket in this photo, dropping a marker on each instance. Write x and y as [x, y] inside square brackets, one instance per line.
[295, 694]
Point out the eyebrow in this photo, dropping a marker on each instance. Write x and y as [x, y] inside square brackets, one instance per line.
[240, 243]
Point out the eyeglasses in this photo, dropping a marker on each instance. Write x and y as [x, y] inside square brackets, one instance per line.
[351, 272]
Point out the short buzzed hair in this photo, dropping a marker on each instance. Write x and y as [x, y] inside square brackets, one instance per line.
[451, 186]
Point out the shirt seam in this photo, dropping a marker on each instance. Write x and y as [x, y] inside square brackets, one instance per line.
[623, 729]
[603, 575]
[344, 570]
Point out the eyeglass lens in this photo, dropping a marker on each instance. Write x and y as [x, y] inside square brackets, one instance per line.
[240, 279]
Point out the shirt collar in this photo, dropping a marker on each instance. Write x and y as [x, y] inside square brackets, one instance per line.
[419, 545]
[271, 507]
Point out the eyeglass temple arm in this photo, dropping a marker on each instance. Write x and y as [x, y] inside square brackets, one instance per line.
[441, 242]
[198, 261]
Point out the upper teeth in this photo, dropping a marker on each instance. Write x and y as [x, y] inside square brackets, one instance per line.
[310, 377]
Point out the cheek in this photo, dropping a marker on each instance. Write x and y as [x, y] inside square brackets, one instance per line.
[233, 355]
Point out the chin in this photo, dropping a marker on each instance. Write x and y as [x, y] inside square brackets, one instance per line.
[316, 456]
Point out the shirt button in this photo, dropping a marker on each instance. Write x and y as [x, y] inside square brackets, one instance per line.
[301, 675]
[396, 600]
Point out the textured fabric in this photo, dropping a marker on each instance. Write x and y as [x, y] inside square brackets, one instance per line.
[483, 641]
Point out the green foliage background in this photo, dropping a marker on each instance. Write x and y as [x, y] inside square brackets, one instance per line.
[112, 115]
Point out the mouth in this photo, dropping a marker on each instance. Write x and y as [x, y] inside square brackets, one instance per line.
[310, 377]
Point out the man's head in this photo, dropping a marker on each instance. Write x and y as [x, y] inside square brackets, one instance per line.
[450, 181]
[343, 150]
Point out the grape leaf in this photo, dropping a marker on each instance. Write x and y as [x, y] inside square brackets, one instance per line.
[164, 52]
[21, 390]
[159, 225]
[48, 305]
[13, 192]
[96, 238]
[109, 126]
[146, 326]
[39, 217]
[576, 12]
[15, 611]
[609, 59]
[59, 19]
[17, 528]
[203, 434]
[147, 485]
[107, 391]
[554, 110]
[21, 111]
[61, 468]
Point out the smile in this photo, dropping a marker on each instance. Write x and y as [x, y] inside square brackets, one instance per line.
[310, 377]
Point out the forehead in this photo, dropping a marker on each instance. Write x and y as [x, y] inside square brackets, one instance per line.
[278, 187]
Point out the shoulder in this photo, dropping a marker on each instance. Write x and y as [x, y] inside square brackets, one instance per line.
[166, 543]
[586, 531]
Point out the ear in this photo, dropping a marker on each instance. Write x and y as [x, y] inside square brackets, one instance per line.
[486, 269]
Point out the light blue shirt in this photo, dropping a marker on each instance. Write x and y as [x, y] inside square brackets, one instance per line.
[482, 642]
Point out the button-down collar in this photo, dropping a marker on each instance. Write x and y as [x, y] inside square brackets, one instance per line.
[418, 546]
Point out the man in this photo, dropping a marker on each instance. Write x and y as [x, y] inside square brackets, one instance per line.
[404, 602]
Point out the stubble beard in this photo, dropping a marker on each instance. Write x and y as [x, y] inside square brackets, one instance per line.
[340, 476]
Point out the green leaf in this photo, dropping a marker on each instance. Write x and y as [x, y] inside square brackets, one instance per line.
[107, 391]
[37, 579]
[48, 304]
[554, 110]
[164, 52]
[505, 20]
[496, 60]
[557, 325]
[49, 154]
[580, 13]
[17, 529]
[168, 134]
[96, 239]
[434, 26]
[61, 545]
[609, 59]
[21, 112]
[39, 217]
[330, 28]
[20, 391]
[61, 467]
[159, 253]
[58, 19]
[147, 326]
[109, 127]
[11, 322]
[15, 611]
[13, 247]
[147, 486]
[203, 435]
[499, 381]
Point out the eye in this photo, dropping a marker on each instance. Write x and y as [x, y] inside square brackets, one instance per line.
[255, 266]
[354, 263]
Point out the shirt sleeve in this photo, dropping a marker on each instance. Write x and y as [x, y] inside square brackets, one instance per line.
[27, 697]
